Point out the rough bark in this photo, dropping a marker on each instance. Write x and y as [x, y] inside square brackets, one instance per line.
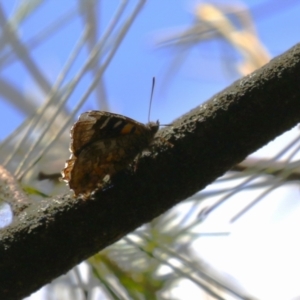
[48, 239]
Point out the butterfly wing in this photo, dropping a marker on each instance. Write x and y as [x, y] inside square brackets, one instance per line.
[103, 157]
[102, 144]
[97, 125]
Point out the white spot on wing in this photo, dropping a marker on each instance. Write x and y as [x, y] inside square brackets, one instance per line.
[118, 124]
[105, 123]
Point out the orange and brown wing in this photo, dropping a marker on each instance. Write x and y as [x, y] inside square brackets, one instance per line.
[87, 171]
[103, 144]
[97, 125]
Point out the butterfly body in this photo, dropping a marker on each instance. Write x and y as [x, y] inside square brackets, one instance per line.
[102, 144]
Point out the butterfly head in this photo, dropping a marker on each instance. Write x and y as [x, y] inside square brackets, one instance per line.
[153, 126]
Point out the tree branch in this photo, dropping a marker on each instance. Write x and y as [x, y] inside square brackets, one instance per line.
[48, 239]
[12, 193]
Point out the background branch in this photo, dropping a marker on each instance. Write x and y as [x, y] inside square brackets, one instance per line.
[49, 238]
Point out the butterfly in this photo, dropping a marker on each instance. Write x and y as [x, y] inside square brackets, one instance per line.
[103, 144]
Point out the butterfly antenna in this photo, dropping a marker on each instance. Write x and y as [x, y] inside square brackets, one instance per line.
[152, 91]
